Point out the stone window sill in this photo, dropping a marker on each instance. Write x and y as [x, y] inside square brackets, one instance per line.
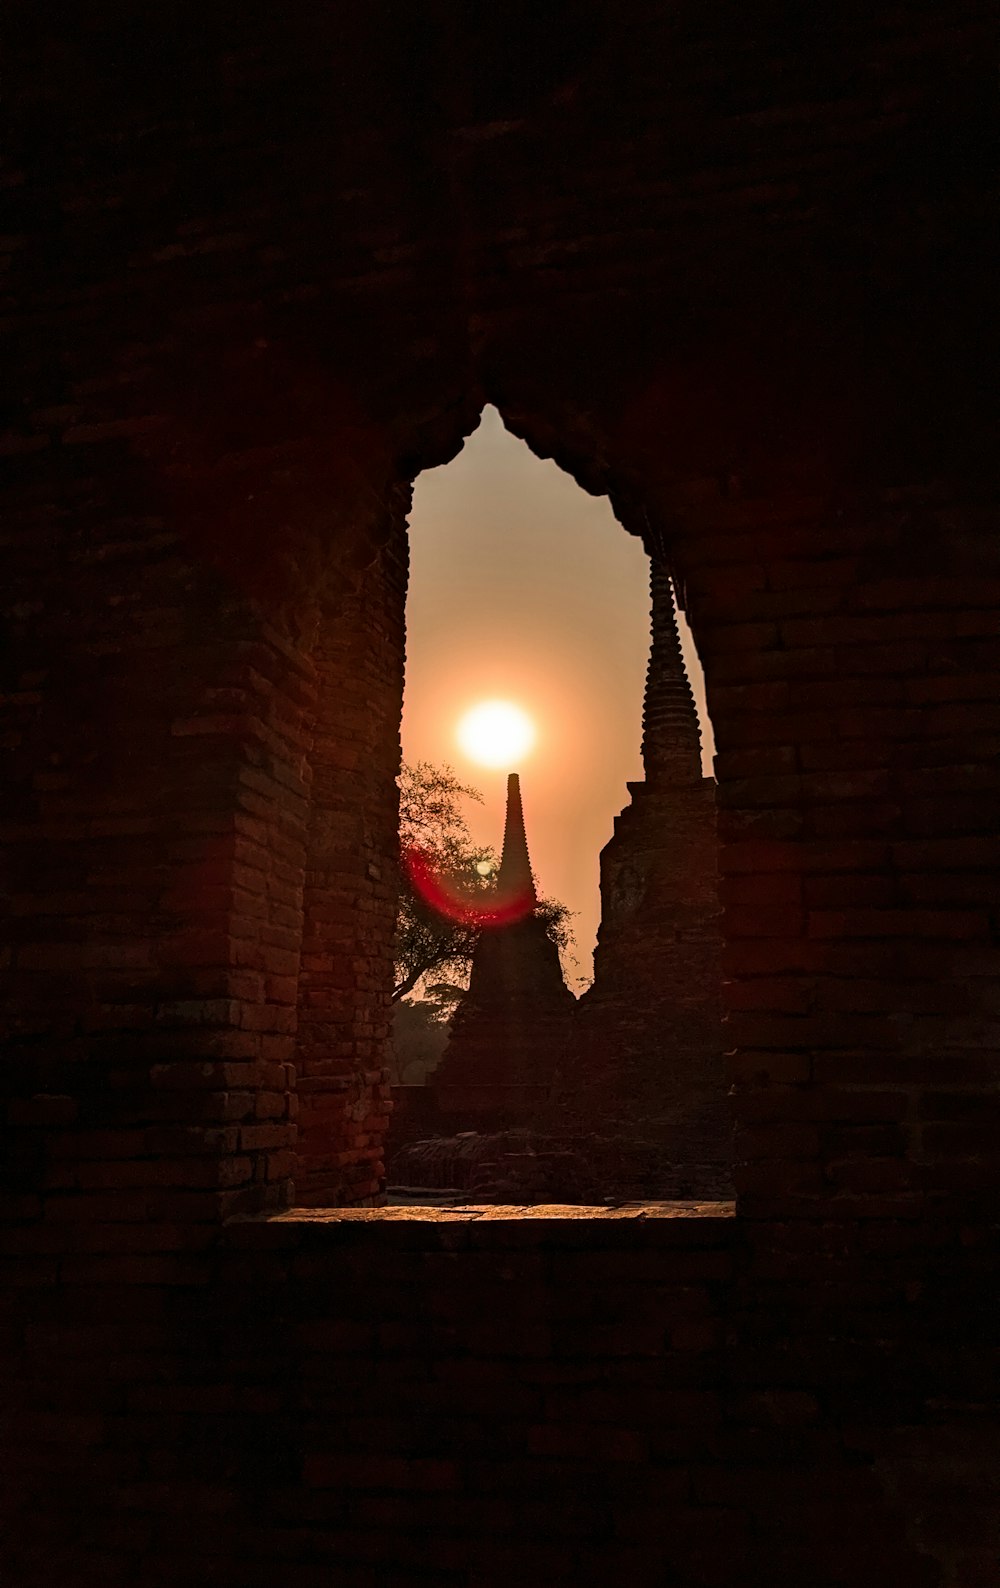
[661, 1224]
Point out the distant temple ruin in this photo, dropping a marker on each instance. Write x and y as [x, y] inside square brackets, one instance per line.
[729, 266]
[648, 1045]
[512, 1028]
[630, 1078]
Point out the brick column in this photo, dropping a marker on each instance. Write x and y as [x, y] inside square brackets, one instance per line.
[158, 791]
[350, 897]
[855, 707]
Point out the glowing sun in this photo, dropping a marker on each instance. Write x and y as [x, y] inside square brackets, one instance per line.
[496, 733]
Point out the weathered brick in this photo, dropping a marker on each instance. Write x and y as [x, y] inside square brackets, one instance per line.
[240, 318]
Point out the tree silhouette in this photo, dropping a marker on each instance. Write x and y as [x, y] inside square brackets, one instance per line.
[429, 943]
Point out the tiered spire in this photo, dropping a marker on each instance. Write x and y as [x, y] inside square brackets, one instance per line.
[514, 878]
[511, 1029]
[671, 737]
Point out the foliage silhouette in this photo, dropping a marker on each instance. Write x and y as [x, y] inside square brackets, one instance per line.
[429, 943]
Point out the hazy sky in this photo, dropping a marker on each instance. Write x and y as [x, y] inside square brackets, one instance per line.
[523, 587]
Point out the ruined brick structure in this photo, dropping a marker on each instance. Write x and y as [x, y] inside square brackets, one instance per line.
[730, 266]
[512, 1030]
[648, 1044]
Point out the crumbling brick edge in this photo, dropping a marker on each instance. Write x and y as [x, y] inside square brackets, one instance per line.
[285, 1229]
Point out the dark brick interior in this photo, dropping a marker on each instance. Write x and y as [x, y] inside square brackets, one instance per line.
[262, 265]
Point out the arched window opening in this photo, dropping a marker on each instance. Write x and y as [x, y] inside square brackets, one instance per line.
[525, 1066]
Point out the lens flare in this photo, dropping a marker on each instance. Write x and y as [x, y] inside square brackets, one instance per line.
[496, 733]
[452, 897]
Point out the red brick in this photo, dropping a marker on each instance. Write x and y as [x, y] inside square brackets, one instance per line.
[786, 1141]
[748, 1067]
[42, 1109]
[946, 924]
[693, 287]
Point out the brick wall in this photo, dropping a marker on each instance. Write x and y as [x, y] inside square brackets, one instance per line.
[856, 857]
[346, 977]
[154, 789]
[476, 1398]
[256, 278]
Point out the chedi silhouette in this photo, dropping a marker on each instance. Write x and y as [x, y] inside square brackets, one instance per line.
[512, 1028]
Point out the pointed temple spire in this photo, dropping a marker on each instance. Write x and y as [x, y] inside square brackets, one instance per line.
[514, 877]
[671, 737]
[648, 1034]
[512, 1028]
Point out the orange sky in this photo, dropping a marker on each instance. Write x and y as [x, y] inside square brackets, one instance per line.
[525, 588]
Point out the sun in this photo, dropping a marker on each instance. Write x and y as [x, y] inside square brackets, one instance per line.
[496, 733]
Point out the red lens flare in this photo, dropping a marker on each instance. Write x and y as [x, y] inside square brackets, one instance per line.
[458, 903]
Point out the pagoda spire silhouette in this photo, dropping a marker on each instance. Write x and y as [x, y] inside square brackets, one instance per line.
[671, 736]
[512, 1027]
[648, 1045]
[515, 880]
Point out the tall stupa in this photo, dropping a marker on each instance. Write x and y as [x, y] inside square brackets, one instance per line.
[648, 1052]
[512, 1029]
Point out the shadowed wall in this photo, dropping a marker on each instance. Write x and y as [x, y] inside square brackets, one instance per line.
[732, 270]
